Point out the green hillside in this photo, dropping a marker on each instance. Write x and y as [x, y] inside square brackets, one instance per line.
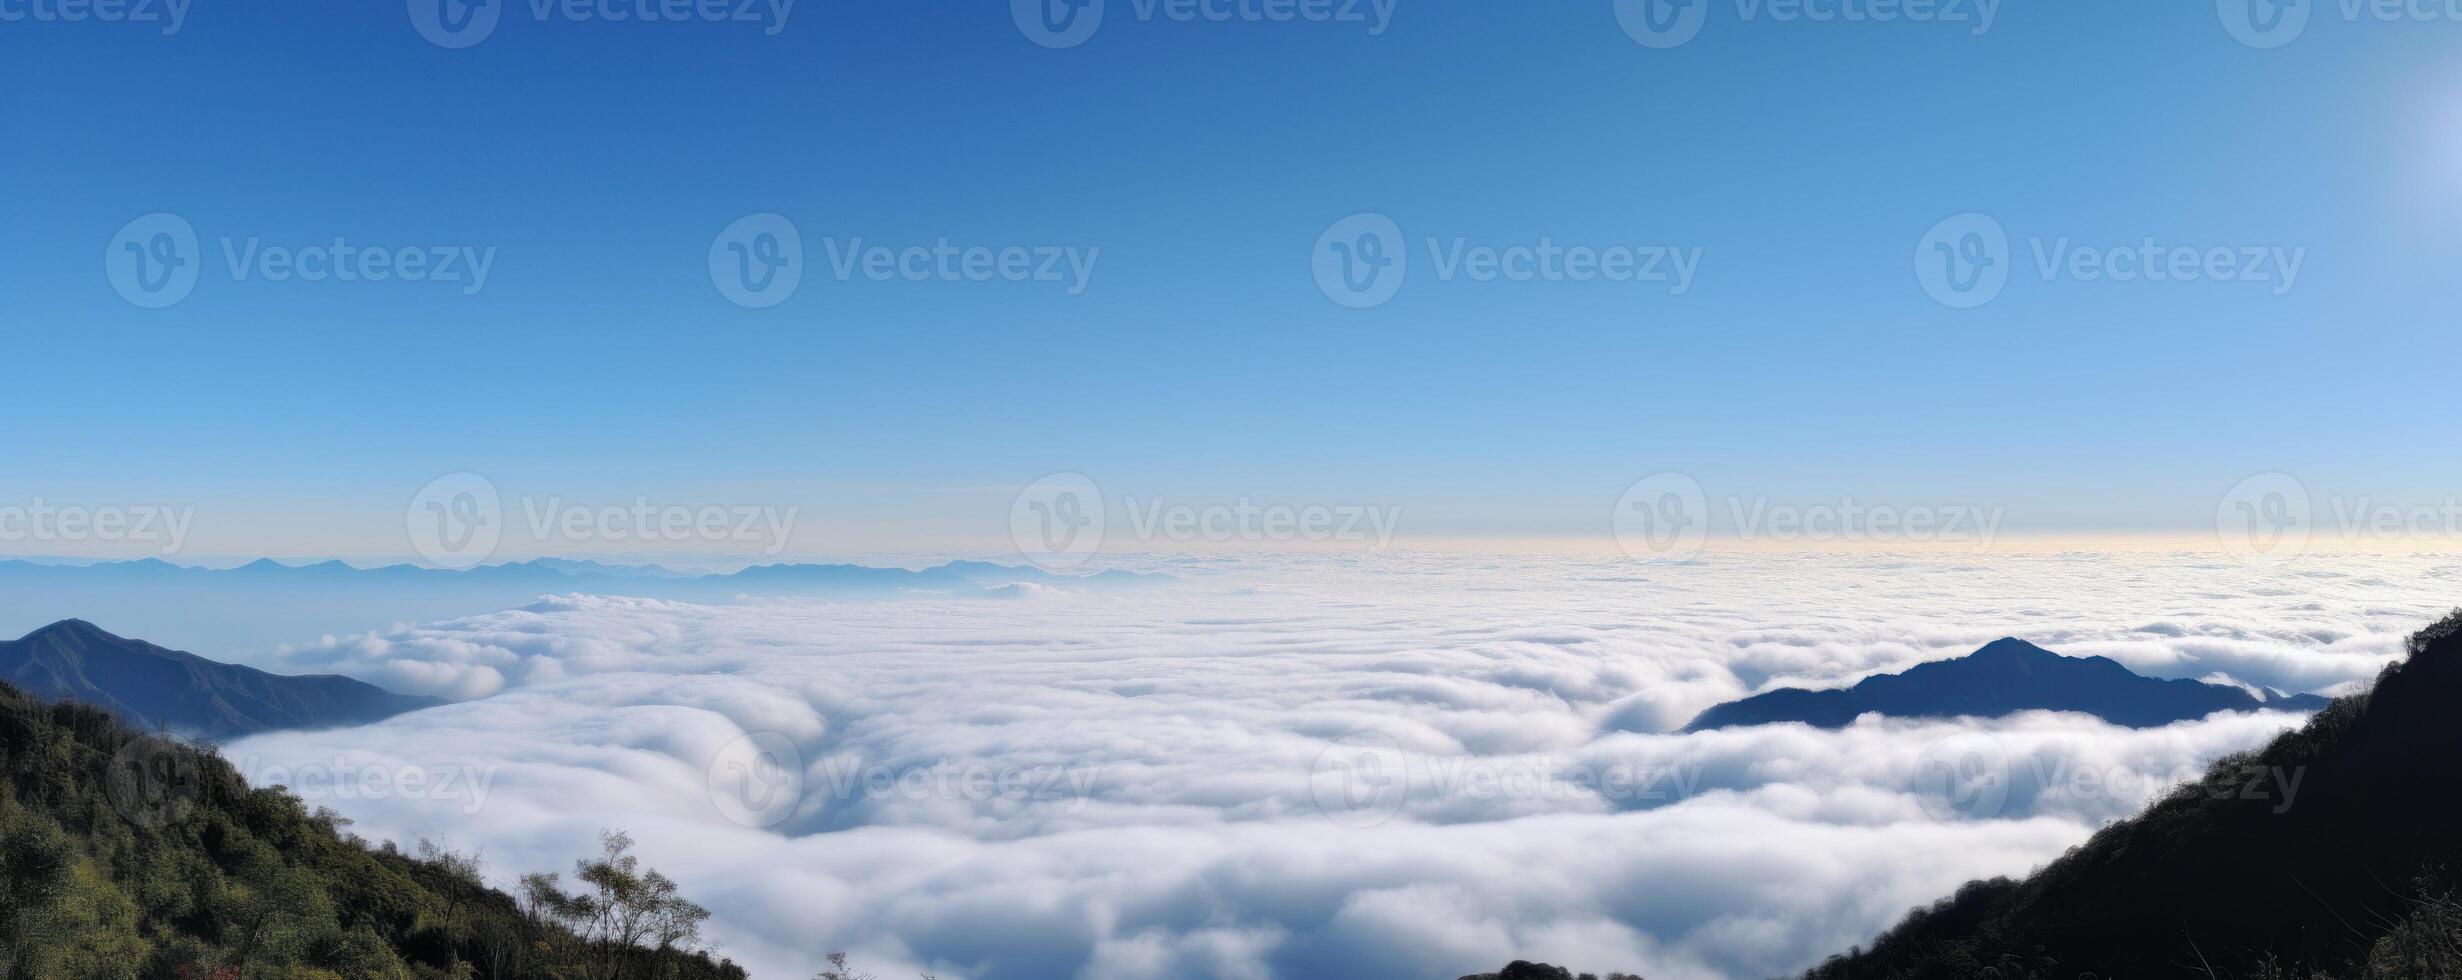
[123, 855]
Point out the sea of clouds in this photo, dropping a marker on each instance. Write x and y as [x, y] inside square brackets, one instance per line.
[1379, 767]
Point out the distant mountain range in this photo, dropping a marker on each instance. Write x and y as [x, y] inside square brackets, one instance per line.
[150, 687]
[591, 576]
[246, 610]
[2004, 677]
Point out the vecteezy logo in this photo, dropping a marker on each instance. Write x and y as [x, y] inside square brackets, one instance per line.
[1663, 516]
[1963, 777]
[1057, 23]
[455, 24]
[153, 261]
[757, 780]
[1964, 261]
[2264, 24]
[1057, 521]
[2265, 518]
[757, 262]
[1360, 261]
[1662, 23]
[1360, 780]
[456, 521]
[154, 783]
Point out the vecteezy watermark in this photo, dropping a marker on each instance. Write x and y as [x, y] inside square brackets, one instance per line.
[171, 14]
[847, 779]
[1668, 515]
[2264, 24]
[1964, 776]
[1059, 521]
[1071, 266]
[1069, 23]
[1757, 519]
[1360, 780]
[455, 24]
[1974, 776]
[1964, 262]
[1244, 520]
[1673, 23]
[2269, 24]
[2265, 518]
[1365, 779]
[348, 780]
[41, 521]
[155, 261]
[1361, 261]
[758, 261]
[1664, 515]
[458, 521]
[756, 780]
[2271, 518]
[760, 780]
[154, 782]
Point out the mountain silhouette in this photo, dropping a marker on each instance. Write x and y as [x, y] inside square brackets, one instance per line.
[2004, 677]
[151, 687]
[2332, 850]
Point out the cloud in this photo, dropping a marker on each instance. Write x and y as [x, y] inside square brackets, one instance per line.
[1405, 767]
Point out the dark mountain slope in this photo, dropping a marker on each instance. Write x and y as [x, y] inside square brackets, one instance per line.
[2232, 869]
[2006, 676]
[151, 687]
[129, 857]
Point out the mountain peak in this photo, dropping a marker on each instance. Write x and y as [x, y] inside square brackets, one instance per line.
[70, 629]
[2006, 676]
[152, 686]
[2010, 647]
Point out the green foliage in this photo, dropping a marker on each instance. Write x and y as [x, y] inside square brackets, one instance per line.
[2425, 945]
[124, 855]
[839, 970]
[622, 923]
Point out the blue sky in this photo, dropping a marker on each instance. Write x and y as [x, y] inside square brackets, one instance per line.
[1805, 362]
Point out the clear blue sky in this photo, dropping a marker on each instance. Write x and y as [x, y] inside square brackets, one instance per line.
[1805, 159]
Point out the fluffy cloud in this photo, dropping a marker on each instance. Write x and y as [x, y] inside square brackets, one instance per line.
[1407, 767]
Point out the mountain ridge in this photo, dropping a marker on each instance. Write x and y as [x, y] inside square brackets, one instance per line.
[2000, 678]
[153, 686]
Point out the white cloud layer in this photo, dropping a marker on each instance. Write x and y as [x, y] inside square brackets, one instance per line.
[1404, 767]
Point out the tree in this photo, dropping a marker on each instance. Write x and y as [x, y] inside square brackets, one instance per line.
[36, 869]
[838, 970]
[628, 918]
[274, 912]
[233, 882]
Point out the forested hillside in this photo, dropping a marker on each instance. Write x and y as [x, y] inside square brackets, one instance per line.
[124, 855]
